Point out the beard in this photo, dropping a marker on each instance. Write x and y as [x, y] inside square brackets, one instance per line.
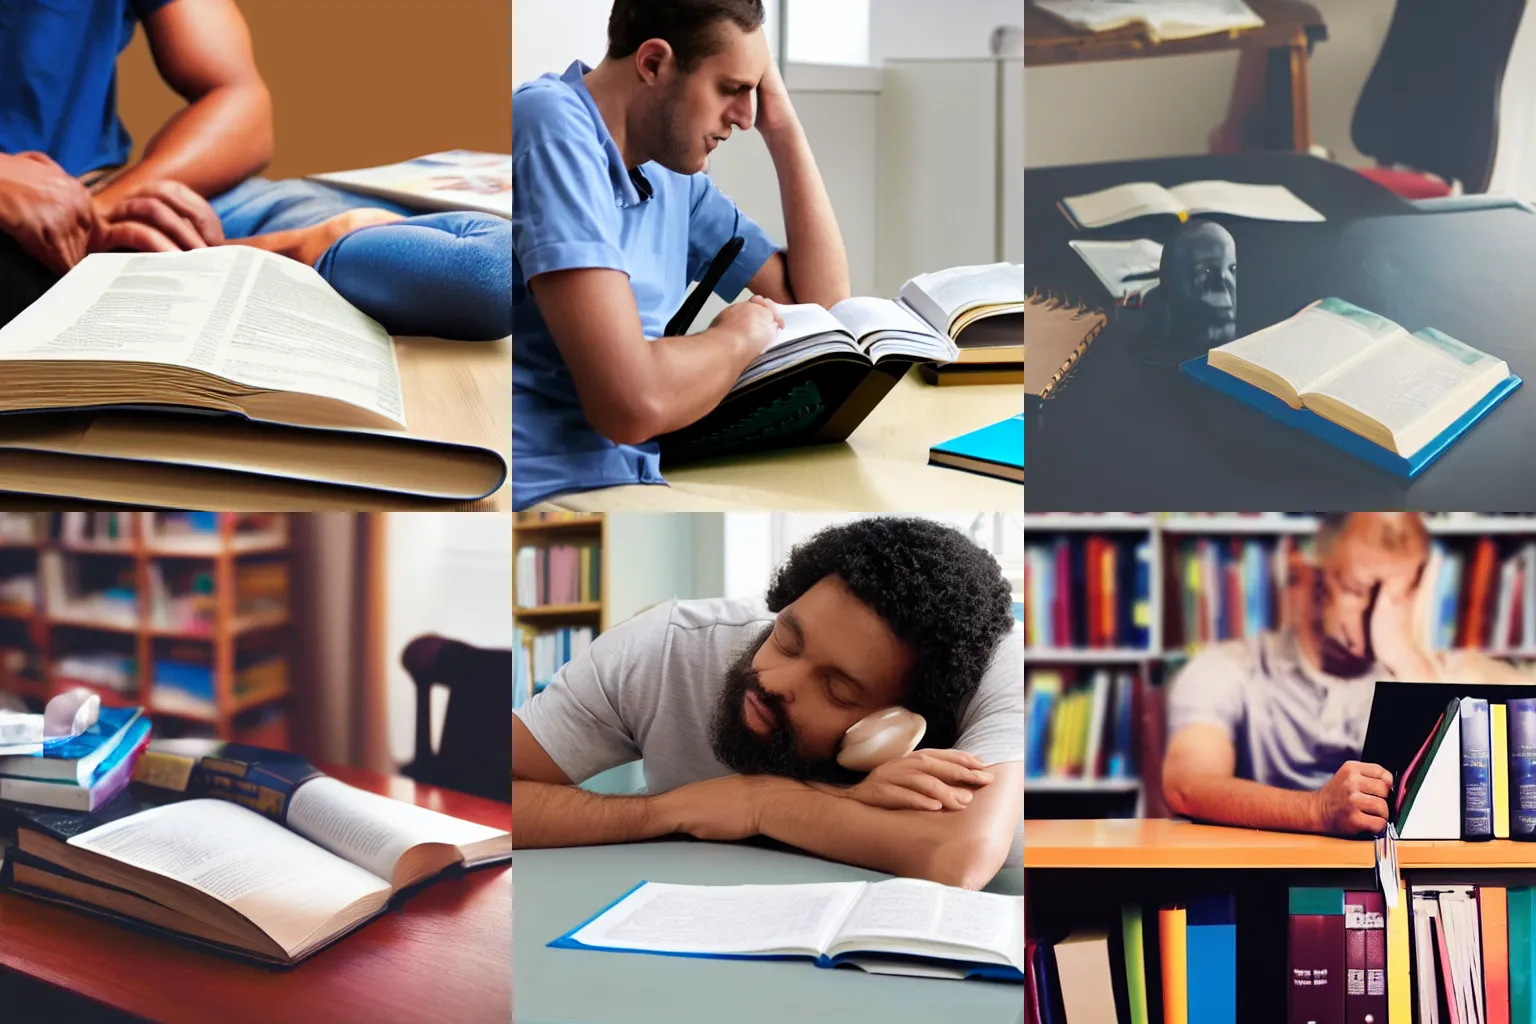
[745, 752]
[667, 141]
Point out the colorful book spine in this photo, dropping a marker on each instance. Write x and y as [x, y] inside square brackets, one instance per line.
[1399, 983]
[1211, 945]
[1174, 933]
[1316, 956]
[1132, 930]
[1365, 958]
[1522, 954]
[1493, 912]
[1476, 774]
[1499, 729]
[1522, 768]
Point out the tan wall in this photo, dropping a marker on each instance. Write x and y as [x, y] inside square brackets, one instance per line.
[360, 82]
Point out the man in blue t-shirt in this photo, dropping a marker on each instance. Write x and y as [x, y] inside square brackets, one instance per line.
[613, 217]
[65, 187]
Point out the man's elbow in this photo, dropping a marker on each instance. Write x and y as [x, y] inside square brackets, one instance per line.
[261, 134]
[628, 419]
[1176, 793]
[966, 863]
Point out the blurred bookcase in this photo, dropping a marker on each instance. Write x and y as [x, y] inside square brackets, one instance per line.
[186, 613]
[1116, 603]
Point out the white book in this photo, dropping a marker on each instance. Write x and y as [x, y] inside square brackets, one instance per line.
[1195, 198]
[898, 926]
[222, 873]
[1365, 373]
[1162, 19]
[1125, 269]
[1436, 810]
[1096, 722]
[1504, 607]
[457, 179]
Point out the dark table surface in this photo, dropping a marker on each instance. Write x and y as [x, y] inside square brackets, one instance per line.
[1121, 437]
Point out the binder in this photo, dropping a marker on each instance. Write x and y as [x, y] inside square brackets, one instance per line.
[1057, 334]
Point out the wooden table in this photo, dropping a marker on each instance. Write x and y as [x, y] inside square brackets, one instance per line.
[441, 954]
[1290, 28]
[454, 391]
[882, 466]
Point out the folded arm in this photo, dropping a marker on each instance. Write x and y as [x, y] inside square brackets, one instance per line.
[224, 134]
[1199, 781]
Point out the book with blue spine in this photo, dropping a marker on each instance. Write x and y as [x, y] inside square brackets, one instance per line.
[1210, 928]
[1476, 770]
[996, 450]
[1522, 767]
[110, 777]
[74, 759]
[880, 927]
[1141, 609]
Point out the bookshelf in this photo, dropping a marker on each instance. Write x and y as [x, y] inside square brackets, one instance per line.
[1174, 615]
[555, 609]
[186, 613]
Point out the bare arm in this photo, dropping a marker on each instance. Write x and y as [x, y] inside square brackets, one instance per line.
[224, 134]
[1199, 782]
[633, 389]
[816, 266]
[547, 810]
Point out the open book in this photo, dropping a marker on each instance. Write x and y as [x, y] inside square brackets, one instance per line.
[1164, 19]
[827, 369]
[1147, 199]
[1365, 373]
[220, 873]
[458, 179]
[227, 357]
[898, 926]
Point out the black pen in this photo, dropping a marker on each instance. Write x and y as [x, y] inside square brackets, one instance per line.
[689, 310]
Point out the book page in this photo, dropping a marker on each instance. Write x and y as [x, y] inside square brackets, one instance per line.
[864, 316]
[255, 318]
[940, 297]
[1409, 378]
[723, 919]
[1123, 202]
[454, 180]
[370, 830]
[922, 911]
[1260, 202]
[1319, 340]
[285, 885]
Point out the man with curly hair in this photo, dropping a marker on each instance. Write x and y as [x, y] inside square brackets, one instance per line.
[737, 708]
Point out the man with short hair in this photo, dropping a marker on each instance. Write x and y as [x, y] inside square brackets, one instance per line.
[613, 217]
[865, 616]
[1267, 732]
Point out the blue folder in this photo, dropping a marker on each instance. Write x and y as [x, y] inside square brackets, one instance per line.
[1000, 445]
[972, 970]
[1317, 426]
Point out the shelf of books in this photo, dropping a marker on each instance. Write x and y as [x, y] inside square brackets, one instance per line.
[1115, 603]
[560, 588]
[183, 613]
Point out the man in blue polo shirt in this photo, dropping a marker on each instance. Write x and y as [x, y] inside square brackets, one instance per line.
[64, 186]
[613, 217]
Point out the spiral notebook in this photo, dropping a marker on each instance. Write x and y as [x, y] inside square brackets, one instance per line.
[1057, 333]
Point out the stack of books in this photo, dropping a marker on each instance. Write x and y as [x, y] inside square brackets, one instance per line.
[82, 773]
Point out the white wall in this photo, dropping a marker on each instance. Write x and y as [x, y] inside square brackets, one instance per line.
[1167, 106]
[447, 573]
[929, 28]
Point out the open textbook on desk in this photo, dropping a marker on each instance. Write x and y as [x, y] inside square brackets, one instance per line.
[457, 179]
[1361, 382]
[225, 358]
[827, 369]
[1193, 198]
[275, 885]
[898, 926]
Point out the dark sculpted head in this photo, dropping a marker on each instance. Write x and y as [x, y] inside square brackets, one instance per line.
[699, 62]
[869, 614]
[1198, 279]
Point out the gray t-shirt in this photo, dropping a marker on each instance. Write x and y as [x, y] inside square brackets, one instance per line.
[1293, 726]
[647, 689]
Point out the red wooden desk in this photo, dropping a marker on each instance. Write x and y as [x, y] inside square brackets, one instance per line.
[442, 954]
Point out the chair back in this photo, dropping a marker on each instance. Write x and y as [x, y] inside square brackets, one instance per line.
[475, 751]
[1432, 100]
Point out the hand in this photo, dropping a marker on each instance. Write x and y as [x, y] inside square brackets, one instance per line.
[756, 321]
[1396, 638]
[721, 809]
[1354, 800]
[48, 212]
[775, 113]
[924, 780]
[159, 216]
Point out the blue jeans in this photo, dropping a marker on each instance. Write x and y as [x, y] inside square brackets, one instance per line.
[444, 275]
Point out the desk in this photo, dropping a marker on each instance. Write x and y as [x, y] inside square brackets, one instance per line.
[560, 888]
[1290, 28]
[438, 955]
[882, 466]
[454, 391]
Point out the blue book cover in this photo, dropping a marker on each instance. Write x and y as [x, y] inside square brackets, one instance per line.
[1522, 767]
[997, 450]
[1120, 755]
[1211, 956]
[972, 969]
[1040, 703]
[1327, 430]
[1141, 611]
[75, 758]
[1476, 770]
